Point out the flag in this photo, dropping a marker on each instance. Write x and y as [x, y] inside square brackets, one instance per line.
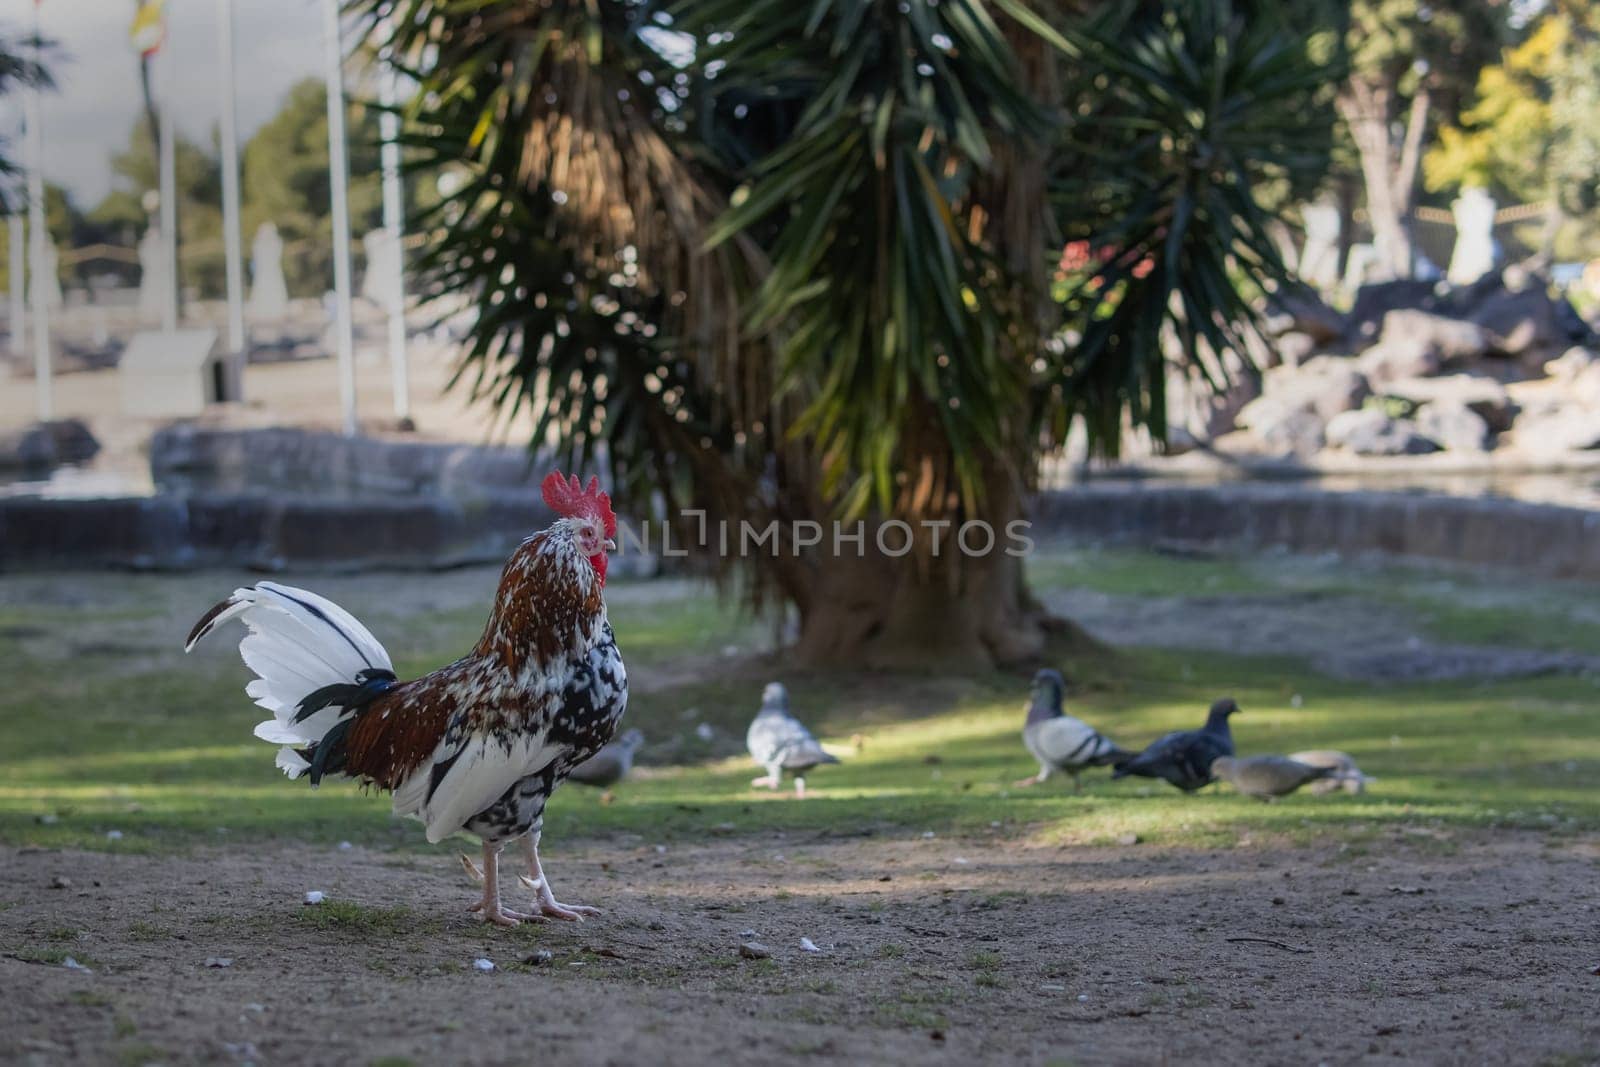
[149, 30]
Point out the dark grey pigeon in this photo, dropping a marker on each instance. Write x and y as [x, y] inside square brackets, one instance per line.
[779, 742]
[1057, 740]
[611, 764]
[1185, 758]
[1267, 777]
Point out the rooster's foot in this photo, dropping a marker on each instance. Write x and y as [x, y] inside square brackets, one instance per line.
[505, 916]
[570, 912]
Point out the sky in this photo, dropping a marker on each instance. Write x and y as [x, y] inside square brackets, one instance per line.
[90, 115]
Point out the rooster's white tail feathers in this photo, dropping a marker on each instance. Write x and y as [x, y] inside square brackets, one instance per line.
[298, 642]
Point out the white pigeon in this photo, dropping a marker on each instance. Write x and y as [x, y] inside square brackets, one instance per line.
[780, 742]
[1057, 740]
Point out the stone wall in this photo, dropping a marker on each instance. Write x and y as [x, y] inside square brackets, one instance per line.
[1534, 538]
[271, 533]
[173, 532]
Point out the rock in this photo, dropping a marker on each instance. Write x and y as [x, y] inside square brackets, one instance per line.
[1324, 384]
[31, 449]
[1371, 432]
[1584, 388]
[1567, 429]
[1453, 426]
[755, 950]
[1294, 348]
[1376, 300]
[1283, 430]
[1305, 313]
[1487, 398]
[538, 957]
[60, 882]
[218, 961]
[1400, 357]
[1452, 339]
[1525, 323]
[1571, 363]
[482, 964]
[74, 443]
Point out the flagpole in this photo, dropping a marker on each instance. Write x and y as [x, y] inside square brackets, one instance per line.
[339, 180]
[169, 186]
[393, 222]
[17, 227]
[43, 386]
[233, 255]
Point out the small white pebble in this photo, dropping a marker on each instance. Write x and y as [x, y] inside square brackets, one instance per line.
[73, 965]
[747, 934]
[1083, 996]
[1050, 987]
[1297, 701]
[808, 945]
[218, 961]
[316, 896]
[927, 834]
[995, 825]
[345, 846]
[113, 835]
[256, 1008]
[704, 731]
[661, 848]
[483, 964]
[962, 861]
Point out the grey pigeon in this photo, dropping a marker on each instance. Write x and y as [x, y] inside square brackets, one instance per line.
[1057, 740]
[779, 742]
[1184, 758]
[1346, 775]
[1266, 777]
[611, 764]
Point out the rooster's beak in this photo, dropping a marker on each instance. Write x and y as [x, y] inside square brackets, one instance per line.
[610, 545]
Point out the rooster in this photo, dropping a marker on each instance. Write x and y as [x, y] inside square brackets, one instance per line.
[478, 745]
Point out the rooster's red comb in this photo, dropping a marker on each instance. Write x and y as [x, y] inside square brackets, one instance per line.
[571, 499]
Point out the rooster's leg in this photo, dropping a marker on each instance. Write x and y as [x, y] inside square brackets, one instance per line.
[489, 906]
[535, 879]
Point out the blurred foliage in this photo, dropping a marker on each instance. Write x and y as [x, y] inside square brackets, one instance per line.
[122, 218]
[1532, 132]
[24, 61]
[1412, 65]
[284, 181]
[781, 260]
[1186, 117]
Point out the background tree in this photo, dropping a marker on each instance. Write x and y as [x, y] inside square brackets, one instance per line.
[285, 182]
[1532, 132]
[122, 219]
[1411, 63]
[802, 268]
[22, 63]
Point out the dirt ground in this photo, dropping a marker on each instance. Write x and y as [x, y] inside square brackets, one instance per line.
[931, 950]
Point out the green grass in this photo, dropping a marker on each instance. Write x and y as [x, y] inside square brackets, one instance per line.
[93, 744]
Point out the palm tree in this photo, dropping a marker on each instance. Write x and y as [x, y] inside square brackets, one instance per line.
[769, 261]
[22, 64]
